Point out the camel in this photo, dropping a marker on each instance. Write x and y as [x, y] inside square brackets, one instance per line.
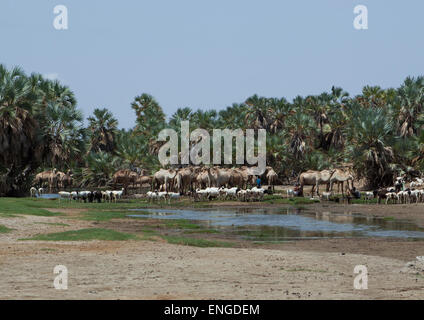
[42, 178]
[315, 178]
[67, 180]
[53, 179]
[271, 177]
[203, 179]
[163, 177]
[183, 180]
[125, 177]
[340, 176]
[141, 180]
[195, 171]
[219, 177]
[236, 178]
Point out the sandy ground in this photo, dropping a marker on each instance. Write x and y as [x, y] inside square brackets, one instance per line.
[313, 269]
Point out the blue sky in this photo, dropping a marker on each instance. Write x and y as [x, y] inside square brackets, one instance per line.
[209, 54]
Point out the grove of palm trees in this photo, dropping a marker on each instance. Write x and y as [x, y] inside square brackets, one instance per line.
[379, 132]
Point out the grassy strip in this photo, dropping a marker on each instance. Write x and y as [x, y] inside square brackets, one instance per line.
[9, 207]
[98, 215]
[85, 235]
[203, 243]
[276, 199]
[4, 229]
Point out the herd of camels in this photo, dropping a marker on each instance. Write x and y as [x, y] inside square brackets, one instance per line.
[187, 179]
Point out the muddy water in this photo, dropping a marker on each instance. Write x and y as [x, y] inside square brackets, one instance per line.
[277, 224]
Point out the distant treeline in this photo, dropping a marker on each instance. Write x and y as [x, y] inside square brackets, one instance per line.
[380, 132]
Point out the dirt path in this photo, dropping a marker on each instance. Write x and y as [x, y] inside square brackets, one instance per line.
[320, 269]
[154, 270]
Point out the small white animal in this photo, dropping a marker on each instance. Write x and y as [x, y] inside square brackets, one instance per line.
[33, 192]
[368, 196]
[290, 193]
[65, 195]
[327, 195]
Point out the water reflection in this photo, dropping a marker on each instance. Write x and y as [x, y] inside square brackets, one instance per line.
[277, 224]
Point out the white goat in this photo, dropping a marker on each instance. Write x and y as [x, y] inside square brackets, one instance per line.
[368, 196]
[173, 195]
[65, 195]
[327, 195]
[117, 194]
[33, 192]
[392, 196]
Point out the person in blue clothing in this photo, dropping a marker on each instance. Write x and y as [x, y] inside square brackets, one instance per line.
[258, 182]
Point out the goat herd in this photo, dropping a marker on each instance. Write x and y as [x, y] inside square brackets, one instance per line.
[229, 184]
[222, 193]
[84, 196]
[398, 194]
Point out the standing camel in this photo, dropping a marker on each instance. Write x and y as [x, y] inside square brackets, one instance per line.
[314, 179]
[271, 177]
[340, 176]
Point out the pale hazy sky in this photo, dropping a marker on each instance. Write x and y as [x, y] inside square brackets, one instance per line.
[209, 54]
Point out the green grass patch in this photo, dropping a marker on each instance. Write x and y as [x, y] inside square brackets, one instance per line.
[10, 207]
[275, 199]
[389, 218]
[103, 215]
[4, 229]
[196, 242]
[181, 224]
[85, 235]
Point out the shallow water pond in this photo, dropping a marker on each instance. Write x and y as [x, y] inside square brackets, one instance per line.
[49, 196]
[278, 224]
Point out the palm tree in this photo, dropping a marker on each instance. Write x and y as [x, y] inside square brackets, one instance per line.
[256, 113]
[150, 120]
[102, 128]
[21, 148]
[182, 114]
[232, 117]
[134, 151]
[64, 135]
[370, 138]
[99, 169]
[299, 133]
[411, 102]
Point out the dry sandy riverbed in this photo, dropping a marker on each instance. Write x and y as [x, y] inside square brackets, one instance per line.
[313, 269]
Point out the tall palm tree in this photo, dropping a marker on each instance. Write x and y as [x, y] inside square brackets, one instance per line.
[102, 127]
[182, 114]
[99, 169]
[21, 148]
[411, 103]
[232, 117]
[370, 138]
[64, 134]
[205, 119]
[299, 132]
[150, 120]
